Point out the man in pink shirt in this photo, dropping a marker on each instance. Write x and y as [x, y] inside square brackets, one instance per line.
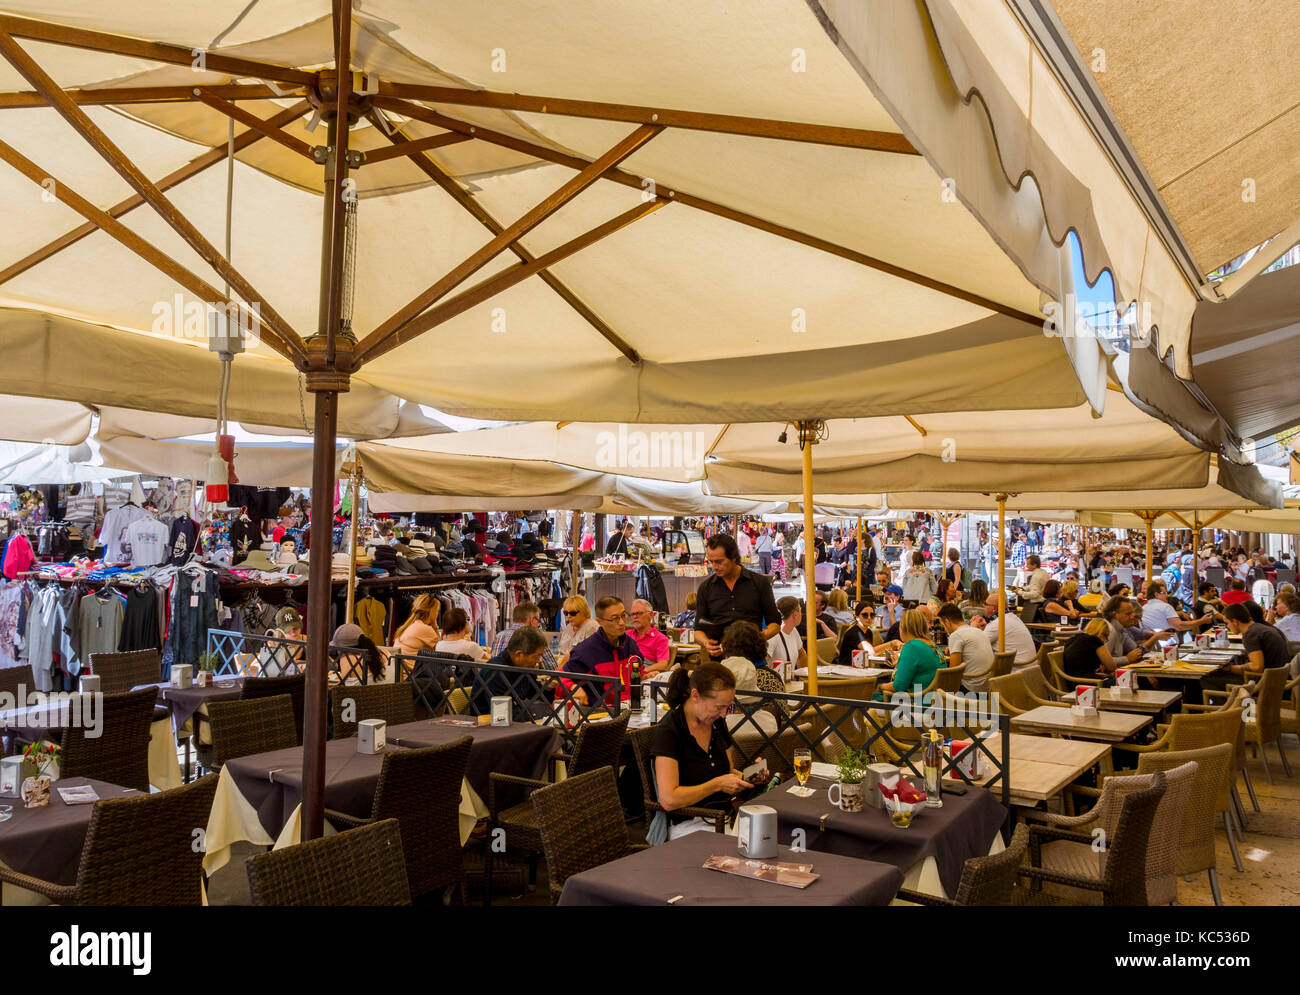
[652, 643]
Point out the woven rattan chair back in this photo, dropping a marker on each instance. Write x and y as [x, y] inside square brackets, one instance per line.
[1268, 705]
[1125, 875]
[13, 678]
[1013, 696]
[1052, 665]
[243, 728]
[599, 744]
[120, 753]
[767, 679]
[826, 650]
[295, 686]
[350, 704]
[120, 672]
[1002, 663]
[1196, 849]
[1037, 684]
[360, 867]
[992, 880]
[140, 850]
[949, 678]
[421, 789]
[582, 825]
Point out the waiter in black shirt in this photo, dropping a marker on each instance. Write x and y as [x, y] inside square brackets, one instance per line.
[618, 542]
[733, 594]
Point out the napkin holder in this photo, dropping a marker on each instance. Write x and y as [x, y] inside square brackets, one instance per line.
[88, 684]
[972, 763]
[501, 710]
[204, 679]
[871, 777]
[1123, 684]
[1085, 701]
[859, 658]
[11, 776]
[371, 736]
[182, 675]
[756, 829]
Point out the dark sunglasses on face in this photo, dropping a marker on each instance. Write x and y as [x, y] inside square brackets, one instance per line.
[569, 614]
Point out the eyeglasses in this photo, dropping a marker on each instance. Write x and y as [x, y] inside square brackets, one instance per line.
[569, 614]
[621, 617]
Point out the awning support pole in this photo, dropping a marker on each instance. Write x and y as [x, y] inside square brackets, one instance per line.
[1002, 572]
[858, 572]
[808, 433]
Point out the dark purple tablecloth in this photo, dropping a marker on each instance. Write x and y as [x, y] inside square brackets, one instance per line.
[272, 782]
[521, 750]
[652, 877]
[962, 829]
[46, 842]
[184, 703]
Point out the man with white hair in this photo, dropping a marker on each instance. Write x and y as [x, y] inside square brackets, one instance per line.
[1018, 639]
[652, 643]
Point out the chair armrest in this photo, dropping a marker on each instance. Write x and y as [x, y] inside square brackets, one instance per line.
[1044, 819]
[343, 819]
[916, 898]
[717, 816]
[494, 779]
[1039, 833]
[1200, 708]
[1047, 701]
[1095, 682]
[1039, 874]
[1156, 747]
[1212, 695]
[58, 893]
[638, 847]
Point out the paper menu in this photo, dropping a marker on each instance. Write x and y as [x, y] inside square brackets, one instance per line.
[773, 871]
[78, 794]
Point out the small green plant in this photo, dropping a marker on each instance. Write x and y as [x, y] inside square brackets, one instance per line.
[42, 756]
[209, 662]
[853, 766]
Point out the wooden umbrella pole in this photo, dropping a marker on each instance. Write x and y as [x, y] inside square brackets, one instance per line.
[858, 572]
[1002, 573]
[807, 438]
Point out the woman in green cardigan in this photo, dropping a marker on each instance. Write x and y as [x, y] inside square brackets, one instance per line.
[919, 659]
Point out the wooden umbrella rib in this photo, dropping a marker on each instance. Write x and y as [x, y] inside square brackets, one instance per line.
[429, 116]
[477, 260]
[145, 250]
[192, 168]
[125, 168]
[505, 280]
[481, 214]
[100, 41]
[151, 95]
[410, 148]
[252, 121]
[795, 131]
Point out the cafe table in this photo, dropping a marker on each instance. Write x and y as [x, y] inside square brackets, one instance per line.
[1140, 700]
[674, 873]
[35, 721]
[258, 798]
[931, 852]
[1040, 769]
[46, 842]
[1107, 727]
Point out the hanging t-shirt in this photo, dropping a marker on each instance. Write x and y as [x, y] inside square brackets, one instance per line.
[244, 538]
[18, 556]
[149, 542]
[99, 622]
[115, 535]
[183, 540]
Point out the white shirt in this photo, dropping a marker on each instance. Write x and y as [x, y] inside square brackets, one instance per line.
[1033, 589]
[455, 647]
[744, 544]
[1019, 641]
[114, 534]
[1290, 626]
[976, 655]
[1158, 615]
[785, 646]
[150, 542]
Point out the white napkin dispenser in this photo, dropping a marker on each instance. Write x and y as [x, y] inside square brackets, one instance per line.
[182, 675]
[871, 777]
[11, 776]
[371, 735]
[501, 710]
[88, 684]
[756, 832]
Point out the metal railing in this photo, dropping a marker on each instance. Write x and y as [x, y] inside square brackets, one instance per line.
[890, 731]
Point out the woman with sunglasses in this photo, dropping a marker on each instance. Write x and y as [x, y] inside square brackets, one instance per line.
[858, 634]
[578, 625]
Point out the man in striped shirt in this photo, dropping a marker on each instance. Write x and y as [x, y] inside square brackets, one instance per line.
[525, 613]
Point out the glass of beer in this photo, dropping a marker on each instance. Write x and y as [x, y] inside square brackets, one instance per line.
[802, 771]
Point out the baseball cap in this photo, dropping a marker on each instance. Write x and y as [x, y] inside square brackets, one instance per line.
[288, 618]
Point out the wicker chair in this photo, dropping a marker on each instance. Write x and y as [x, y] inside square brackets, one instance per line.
[598, 745]
[640, 739]
[394, 703]
[120, 672]
[1067, 682]
[1040, 688]
[1002, 663]
[243, 728]
[421, 790]
[1196, 850]
[767, 679]
[581, 825]
[827, 650]
[11, 679]
[1014, 697]
[269, 687]
[358, 868]
[120, 754]
[1289, 717]
[1162, 843]
[948, 679]
[984, 880]
[139, 850]
[1267, 727]
[1119, 874]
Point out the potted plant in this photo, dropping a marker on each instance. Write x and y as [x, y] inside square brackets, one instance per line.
[41, 757]
[207, 664]
[852, 768]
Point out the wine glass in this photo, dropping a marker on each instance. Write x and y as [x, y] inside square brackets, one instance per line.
[803, 770]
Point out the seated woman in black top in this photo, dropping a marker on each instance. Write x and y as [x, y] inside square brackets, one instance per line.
[691, 745]
[858, 634]
[1086, 654]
